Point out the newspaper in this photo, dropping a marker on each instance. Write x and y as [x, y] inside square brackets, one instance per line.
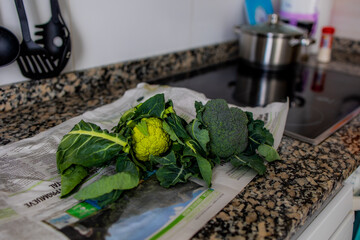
[30, 207]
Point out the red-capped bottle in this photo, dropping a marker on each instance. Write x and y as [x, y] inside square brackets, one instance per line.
[326, 41]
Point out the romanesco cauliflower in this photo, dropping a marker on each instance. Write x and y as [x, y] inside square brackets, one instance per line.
[155, 142]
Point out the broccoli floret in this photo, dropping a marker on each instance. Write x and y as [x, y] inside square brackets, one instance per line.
[227, 128]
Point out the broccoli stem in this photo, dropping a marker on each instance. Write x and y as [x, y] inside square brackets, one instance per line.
[137, 163]
[254, 140]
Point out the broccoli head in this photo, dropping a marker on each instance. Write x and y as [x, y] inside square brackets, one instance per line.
[227, 128]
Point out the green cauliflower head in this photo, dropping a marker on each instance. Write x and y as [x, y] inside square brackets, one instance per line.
[151, 141]
[227, 128]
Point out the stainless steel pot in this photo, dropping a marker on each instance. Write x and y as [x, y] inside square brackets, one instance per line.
[271, 45]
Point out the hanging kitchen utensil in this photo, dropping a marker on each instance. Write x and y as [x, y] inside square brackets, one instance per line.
[9, 47]
[55, 36]
[34, 61]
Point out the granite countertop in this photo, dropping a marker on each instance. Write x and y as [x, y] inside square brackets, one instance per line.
[277, 204]
[272, 206]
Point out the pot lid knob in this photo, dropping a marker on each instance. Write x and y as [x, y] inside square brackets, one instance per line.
[273, 19]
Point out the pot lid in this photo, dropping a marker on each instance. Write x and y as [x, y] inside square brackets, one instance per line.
[273, 28]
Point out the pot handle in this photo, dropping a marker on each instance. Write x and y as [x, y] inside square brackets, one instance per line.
[302, 41]
[237, 29]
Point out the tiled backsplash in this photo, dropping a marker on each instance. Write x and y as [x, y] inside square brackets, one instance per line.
[346, 45]
[138, 42]
[127, 74]
[122, 75]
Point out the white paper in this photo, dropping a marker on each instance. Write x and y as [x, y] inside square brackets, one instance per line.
[30, 184]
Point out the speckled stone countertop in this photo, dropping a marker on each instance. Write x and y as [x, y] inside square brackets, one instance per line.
[273, 206]
[276, 205]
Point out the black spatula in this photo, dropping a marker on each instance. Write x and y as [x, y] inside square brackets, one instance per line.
[34, 61]
[55, 36]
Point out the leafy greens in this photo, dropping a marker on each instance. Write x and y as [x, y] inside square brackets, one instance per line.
[87, 147]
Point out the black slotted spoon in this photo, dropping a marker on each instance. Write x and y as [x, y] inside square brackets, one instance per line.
[34, 61]
[55, 36]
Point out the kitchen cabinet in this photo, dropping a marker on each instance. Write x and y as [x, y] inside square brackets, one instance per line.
[334, 221]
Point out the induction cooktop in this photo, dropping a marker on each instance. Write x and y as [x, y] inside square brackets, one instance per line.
[321, 100]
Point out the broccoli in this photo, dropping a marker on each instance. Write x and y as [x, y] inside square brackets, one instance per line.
[227, 127]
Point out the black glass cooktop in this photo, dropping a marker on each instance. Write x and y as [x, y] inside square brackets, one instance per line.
[321, 100]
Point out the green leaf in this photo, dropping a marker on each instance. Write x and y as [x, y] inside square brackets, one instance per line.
[124, 164]
[106, 184]
[153, 107]
[204, 165]
[259, 133]
[177, 147]
[142, 126]
[170, 175]
[199, 108]
[71, 178]
[126, 118]
[200, 135]
[169, 159]
[186, 161]
[176, 124]
[205, 169]
[108, 198]
[249, 116]
[169, 108]
[215, 160]
[128, 115]
[254, 161]
[195, 147]
[268, 152]
[88, 145]
[263, 135]
[171, 133]
[269, 138]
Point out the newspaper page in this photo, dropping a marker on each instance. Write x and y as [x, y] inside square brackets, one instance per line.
[30, 206]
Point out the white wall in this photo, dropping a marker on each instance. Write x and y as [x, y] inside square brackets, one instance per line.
[111, 31]
[346, 18]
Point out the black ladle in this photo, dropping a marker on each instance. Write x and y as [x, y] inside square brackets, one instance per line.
[9, 47]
